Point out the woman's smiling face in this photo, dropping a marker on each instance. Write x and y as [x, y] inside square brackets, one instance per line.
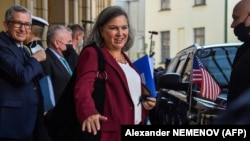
[115, 32]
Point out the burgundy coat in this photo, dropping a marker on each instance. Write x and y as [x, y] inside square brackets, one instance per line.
[118, 104]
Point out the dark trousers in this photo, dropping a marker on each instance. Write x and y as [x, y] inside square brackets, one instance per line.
[40, 132]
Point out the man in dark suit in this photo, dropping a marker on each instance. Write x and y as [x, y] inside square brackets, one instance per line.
[58, 40]
[240, 75]
[21, 103]
[71, 54]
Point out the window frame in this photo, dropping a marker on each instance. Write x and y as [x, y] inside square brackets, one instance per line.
[165, 45]
[199, 35]
[199, 2]
[165, 5]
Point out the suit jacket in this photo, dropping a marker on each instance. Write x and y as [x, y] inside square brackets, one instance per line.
[240, 75]
[58, 73]
[118, 107]
[19, 96]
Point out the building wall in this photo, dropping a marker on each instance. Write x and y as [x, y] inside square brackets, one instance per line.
[183, 17]
[136, 13]
[5, 4]
[145, 16]
[60, 11]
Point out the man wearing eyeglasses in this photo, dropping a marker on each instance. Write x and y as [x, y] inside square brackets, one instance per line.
[21, 103]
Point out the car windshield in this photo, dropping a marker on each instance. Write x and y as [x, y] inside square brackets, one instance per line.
[218, 61]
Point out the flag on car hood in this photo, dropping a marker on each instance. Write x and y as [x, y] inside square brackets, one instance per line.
[208, 87]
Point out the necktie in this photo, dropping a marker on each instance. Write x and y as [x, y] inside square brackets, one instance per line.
[23, 51]
[66, 65]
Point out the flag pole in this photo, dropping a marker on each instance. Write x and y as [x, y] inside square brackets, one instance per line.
[191, 83]
[191, 88]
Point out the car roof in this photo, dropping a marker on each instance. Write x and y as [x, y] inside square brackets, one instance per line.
[221, 45]
[197, 46]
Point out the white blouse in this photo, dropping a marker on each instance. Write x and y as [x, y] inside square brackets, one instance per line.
[134, 84]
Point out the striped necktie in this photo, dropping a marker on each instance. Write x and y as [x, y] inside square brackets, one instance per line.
[66, 65]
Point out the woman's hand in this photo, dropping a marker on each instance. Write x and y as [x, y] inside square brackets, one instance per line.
[149, 103]
[92, 123]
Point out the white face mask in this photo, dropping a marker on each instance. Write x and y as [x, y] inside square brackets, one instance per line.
[36, 48]
[80, 44]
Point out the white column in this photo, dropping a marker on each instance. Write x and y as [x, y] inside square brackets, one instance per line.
[75, 14]
[66, 14]
[30, 5]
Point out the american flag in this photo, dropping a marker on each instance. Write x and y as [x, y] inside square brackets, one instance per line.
[209, 88]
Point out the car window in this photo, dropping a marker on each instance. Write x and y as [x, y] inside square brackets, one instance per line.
[173, 63]
[181, 64]
[178, 64]
[218, 62]
[188, 68]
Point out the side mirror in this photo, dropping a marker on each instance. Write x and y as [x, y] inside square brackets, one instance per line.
[173, 81]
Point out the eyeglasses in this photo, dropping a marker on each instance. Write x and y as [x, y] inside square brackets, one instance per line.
[18, 24]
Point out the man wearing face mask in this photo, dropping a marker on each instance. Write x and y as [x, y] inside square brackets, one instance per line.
[78, 34]
[240, 75]
[59, 39]
[71, 54]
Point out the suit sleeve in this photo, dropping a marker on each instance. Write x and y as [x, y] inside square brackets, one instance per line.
[86, 73]
[16, 69]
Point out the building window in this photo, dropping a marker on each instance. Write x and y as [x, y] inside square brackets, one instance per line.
[165, 45]
[165, 4]
[199, 2]
[199, 36]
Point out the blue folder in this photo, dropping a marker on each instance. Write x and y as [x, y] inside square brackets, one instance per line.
[47, 92]
[144, 66]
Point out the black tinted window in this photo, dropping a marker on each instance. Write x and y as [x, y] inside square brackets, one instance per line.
[218, 61]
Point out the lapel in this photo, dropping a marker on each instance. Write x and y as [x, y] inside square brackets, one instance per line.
[52, 57]
[12, 46]
[111, 62]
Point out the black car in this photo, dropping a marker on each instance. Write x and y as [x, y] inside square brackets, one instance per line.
[180, 100]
